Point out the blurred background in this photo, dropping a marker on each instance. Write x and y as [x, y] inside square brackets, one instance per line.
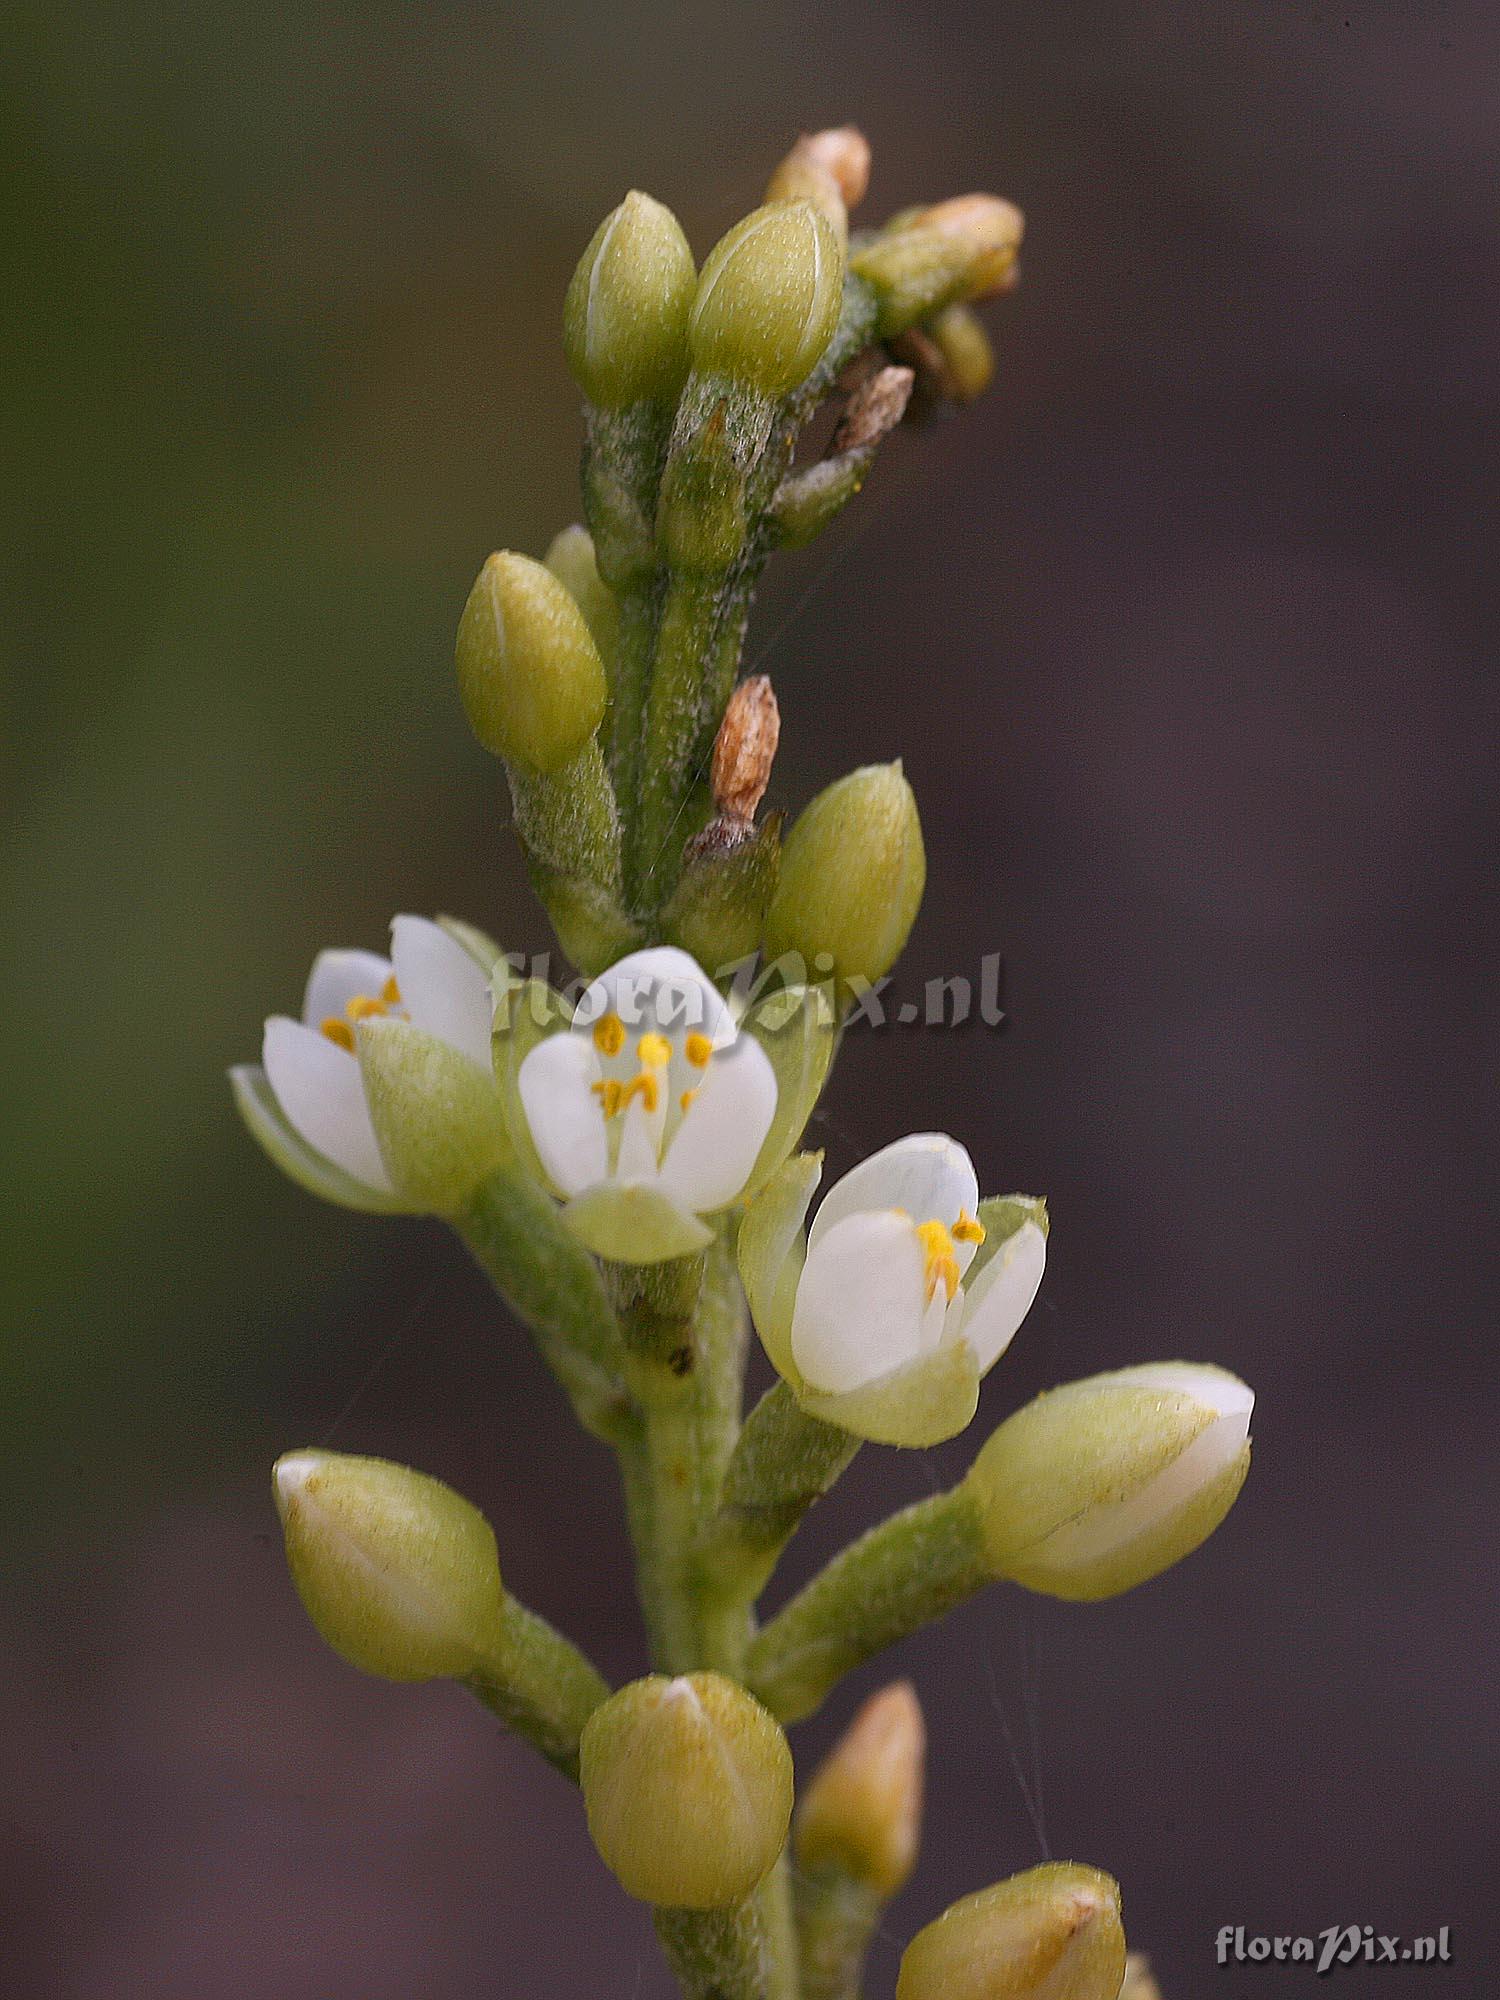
[1184, 636]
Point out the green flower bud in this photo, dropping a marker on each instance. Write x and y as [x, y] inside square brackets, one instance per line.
[769, 298]
[530, 675]
[688, 1785]
[961, 249]
[626, 314]
[852, 873]
[862, 1813]
[1051, 1934]
[397, 1572]
[1101, 1485]
[439, 1119]
[572, 561]
[964, 350]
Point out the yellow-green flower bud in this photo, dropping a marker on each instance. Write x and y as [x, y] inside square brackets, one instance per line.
[862, 1813]
[1101, 1485]
[830, 169]
[688, 1785]
[965, 353]
[572, 560]
[1051, 1934]
[439, 1119]
[397, 1572]
[852, 873]
[626, 313]
[530, 675]
[769, 298]
[961, 249]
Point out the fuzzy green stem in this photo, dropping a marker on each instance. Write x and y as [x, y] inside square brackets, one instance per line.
[545, 1275]
[774, 1898]
[784, 1461]
[836, 1919]
[684, 1332]
[540, 1685]
[900, 1576]
[717, 1954]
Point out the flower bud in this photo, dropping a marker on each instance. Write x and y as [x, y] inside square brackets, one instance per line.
[852, 873]
[862, 1813]
[397, 1572]
[830, 169]
[572, 560]
[626, 312]
[1101, 1485]
[439, 1119]
[1051, 1934]
[769, 298]
[688, 1785]
[964, 352]
[530, 675]
[961, 249]
[1140, 1982]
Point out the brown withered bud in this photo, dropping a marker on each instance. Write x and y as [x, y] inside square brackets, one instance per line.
[830, 169]
[875, 408]
[991, 228]
[745, 749]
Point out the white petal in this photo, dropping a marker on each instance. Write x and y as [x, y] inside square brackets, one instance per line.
[442, 987]
[861, 1303]
[661, 988]
[720, 1137]
[1224, 1393]
[928, 1174]
[1001, 1295]
[337, 978]
[317, 1085]
[640, 1136]
[567, 1125]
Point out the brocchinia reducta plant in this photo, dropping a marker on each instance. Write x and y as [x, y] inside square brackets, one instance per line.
[631, 1171]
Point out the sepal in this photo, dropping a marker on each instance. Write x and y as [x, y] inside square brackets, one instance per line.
[286, 1148]
[634, 1225]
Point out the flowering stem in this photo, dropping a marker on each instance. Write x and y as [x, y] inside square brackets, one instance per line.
[783, 1462]
[836, 1919]
[902, 1575]
[684, 1331]
[540, 1685]
[717, 1954]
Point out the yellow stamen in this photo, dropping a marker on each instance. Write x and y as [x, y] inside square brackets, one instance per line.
[654, 1050]
[609, 1093]
[968, 1228]
[390, 993]
[942, 1264]
[364, 1006]
[609, 1035]
[340, 1032]
[686, 1098]
[698, 1048]
[643, 1086]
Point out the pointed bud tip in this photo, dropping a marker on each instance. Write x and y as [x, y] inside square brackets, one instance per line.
[290, 1477]
[626, 312]
[862, 1812]
[1051, 1932]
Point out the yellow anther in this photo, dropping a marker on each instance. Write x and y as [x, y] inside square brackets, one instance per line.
[390, 993]
[609, 1092]
[654, 1050]
[968, 1228]
[686, 1098]
[363, 1007]
[609, 1035]
[340, 1032]
[698, 1048]
[643, 1086]
[942, 1263]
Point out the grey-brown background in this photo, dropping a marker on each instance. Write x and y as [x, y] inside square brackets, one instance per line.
[1183, 637]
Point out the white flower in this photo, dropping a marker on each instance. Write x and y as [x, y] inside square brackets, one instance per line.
[887, 1254]
[651, 1110]
[883, 1317]
[312, 1074]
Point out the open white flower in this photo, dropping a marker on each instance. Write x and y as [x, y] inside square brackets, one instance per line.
[650, 1110]
[907, 1290]
[309, 1102]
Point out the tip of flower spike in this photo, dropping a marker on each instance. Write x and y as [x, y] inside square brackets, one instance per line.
[290, 1477]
